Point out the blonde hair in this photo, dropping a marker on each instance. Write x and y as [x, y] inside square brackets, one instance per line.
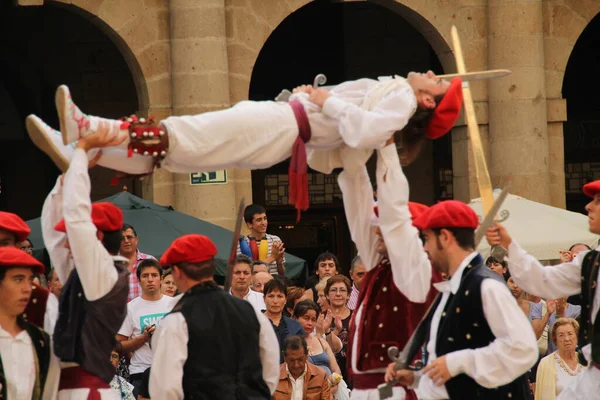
[562, 322]
[321, 285]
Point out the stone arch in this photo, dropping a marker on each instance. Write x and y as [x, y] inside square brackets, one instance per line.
[139, 29]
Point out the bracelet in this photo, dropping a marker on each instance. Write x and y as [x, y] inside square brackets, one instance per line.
[328, 333]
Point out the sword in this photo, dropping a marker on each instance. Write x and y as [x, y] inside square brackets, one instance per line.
[321, 79]
[234, 244]
[404, 358]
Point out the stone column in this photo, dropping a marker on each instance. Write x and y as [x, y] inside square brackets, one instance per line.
[200, 83]
[517, 103]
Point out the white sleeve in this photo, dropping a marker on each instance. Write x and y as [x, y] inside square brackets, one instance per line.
[51, 315]
[170, 348]
[127, 327]
[513, 351]
[363, 129]
[269, 352]
[52, 214]
[357, 195]
[549, 282]
[411, 268]
[94, 264]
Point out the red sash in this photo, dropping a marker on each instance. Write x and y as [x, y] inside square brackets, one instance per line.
[371, 381]
[298, 190]
[78, 378]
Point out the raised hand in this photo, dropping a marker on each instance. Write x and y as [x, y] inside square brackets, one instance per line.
[303, 89]
[498, 235]
[405, 377]
[319, 96]
[106, 135]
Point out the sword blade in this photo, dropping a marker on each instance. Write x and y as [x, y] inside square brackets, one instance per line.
[478, 75]
[488, 221]
[234, 244]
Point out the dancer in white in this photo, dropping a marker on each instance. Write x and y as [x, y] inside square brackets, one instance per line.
[356, 116]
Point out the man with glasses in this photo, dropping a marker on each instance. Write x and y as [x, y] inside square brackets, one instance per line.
[129, 250]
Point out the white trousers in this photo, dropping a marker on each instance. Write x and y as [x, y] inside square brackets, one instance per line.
[398, 393]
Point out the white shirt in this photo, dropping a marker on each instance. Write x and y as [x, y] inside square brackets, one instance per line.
[509, 356]
[297, 384]
[141, 313]
[51, 315]
[552, 282]
[411, 269]
[169, 344]
[95, 265]
[257, 300]
[18, 363]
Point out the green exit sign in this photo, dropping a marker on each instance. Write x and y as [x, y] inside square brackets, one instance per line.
[209, 178]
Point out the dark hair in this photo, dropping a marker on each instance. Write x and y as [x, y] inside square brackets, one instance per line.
[3, 272]
[275, 284]
[570, 248]
[338, 279]
[166, 272]
[127, 226]
[112, 241]
[494, 260]
[252, 210]
[27, 240]
[327, 256]
[305, 306]
[465, 237]
[293, 294]
[258, 262]
[198, 271]
[294, 343]
[148, 263]
[243, 259]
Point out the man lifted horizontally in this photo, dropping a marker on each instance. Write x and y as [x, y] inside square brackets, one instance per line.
[356, 115]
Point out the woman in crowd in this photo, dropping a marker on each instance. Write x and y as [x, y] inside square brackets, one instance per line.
[295, 295]
[557, 370]
[167, 285]
[321, 297]
[497, 266]
[521, 296]
[124, 388]
[319, 352]
[275, 298]
[337, 292]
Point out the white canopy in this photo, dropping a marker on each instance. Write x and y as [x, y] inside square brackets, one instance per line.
[540, 229]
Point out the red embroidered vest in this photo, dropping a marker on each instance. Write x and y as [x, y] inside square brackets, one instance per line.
[388, 318]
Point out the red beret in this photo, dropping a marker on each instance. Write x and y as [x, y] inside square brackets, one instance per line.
[447, 214]
[13, 257]
[446, 113]
[106, 217]
[189, 248]
[415, 209]
[13, 223]
[590, 189]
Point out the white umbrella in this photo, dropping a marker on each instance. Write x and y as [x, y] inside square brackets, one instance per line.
[540, 229]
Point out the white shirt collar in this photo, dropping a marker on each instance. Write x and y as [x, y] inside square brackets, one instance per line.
[22, 336]
[301, 377]
[454, 283]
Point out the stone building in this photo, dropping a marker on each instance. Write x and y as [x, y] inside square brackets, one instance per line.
[159, 57]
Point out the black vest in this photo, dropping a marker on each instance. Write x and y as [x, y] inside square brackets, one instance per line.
[85, 331]
[223, 347]
[589, 331]
[41, 346]
[463, 326]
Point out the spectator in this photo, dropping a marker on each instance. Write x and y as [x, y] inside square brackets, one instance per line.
[167, 284]
[259, 280]
[357, 273]
[519, 294]
[337, 292]
[124, 388]
[240, 283]
[26, 246]
[497, 266]
[145, 387]
[560, 368]
[275, 291]
[299, 379]
[129, 250]
[259, 266]
[322, 300]
[319, 351]
[326, 265]
[295, 295]
[566, 256]
[54, 284]
[259, 245]
[563, 310]
[144, 314]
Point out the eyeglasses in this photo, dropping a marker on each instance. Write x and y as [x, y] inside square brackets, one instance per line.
[129, 237]
[26, 248]
[338, 290]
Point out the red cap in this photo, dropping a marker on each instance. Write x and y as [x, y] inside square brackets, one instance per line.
[590, 189]
[13, 223]
[106, 217]
[447, 214]
[13, 257]
[189, 248]
[446, 113]
[415, 209]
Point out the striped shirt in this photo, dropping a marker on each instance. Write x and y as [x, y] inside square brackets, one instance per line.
[270, 240]
[351, 304]
[134, 285]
